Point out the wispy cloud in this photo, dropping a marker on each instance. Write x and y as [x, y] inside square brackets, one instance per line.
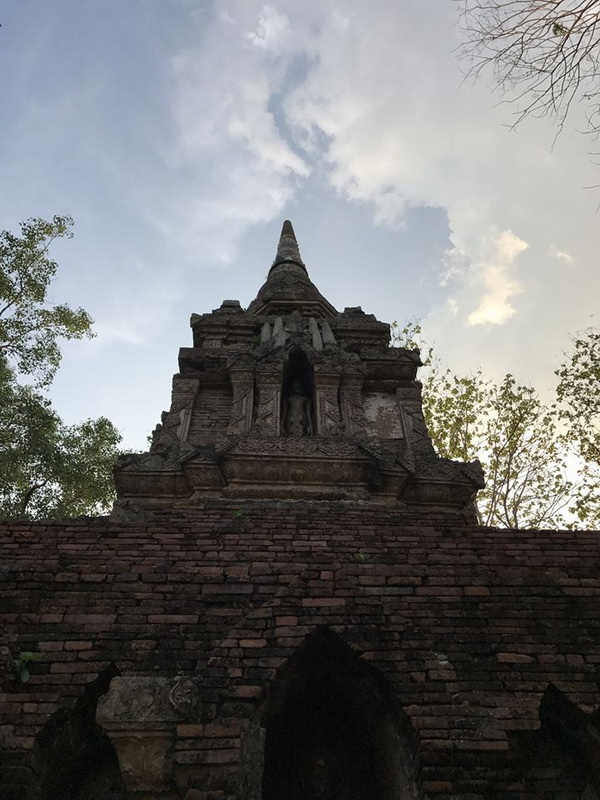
[495, 307]
[239, 170]
[560, 254]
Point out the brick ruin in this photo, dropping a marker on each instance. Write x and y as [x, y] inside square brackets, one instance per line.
[292, 599]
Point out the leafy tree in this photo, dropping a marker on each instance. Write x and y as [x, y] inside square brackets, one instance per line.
[29, 325]
[578, 392]
[544, 53]
[509, 430]
[47, 469]
[517, 440]
[579, 398]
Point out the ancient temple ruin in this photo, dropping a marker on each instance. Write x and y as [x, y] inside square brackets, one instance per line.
[291, 399]
[292, 599]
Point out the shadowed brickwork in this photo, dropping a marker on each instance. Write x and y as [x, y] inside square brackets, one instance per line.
[198, 612]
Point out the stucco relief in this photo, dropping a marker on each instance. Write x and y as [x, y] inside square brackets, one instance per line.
[268, 411]
[290, 375]
[329, 412]
[382, 416]
[242, 403]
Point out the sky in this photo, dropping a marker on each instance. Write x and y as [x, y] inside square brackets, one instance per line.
[180, 134]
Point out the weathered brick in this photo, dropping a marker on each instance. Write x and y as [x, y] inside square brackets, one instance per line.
[481, 622]
[514, 658]
[323, 602]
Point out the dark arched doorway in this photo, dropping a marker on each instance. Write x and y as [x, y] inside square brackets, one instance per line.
[333, 730]
[75, 759]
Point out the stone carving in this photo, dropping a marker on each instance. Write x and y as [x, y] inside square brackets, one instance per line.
[313, 446]
[267, 414]
[139, 720]
[279, 333]
[297, 412]
[383, 416]
[360, 320]
[353, 413]
[291, 286]
[242, 382]
[136, 698]
[329, 412]
[184, 696]
[443, 468]
[351, 401]
[167, 456]
[241, 411]
[292, 399]
[265, 333]
[328, 337]
[317, 341]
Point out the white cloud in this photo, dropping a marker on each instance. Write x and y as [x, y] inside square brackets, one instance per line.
[234, 168]
[495, 307]
[560, 254]
[384, 108]
[271, 31]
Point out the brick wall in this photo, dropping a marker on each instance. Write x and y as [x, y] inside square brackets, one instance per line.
[469, 626]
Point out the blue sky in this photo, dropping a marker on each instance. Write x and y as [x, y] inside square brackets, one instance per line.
[179, 135]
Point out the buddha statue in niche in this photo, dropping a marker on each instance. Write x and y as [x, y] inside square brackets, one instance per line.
[297, 418]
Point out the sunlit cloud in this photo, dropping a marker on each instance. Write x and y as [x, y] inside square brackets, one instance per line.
[495, 307]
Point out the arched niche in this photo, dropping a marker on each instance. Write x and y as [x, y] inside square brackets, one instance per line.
[561, 758]
[298, 396]
[334, 729]
[74, 758]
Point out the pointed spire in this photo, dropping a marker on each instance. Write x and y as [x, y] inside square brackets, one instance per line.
[287, 249]
[288, 287]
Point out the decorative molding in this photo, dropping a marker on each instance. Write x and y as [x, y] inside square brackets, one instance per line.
[184, 696]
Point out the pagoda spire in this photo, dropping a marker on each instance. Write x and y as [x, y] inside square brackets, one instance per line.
[287, 249]
[288, 286]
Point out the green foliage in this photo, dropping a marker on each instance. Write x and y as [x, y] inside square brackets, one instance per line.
[579, 398]
[29, 326]
[515, 437]
[579, 395]
[47, 469]
[505, 426]
[411, 338]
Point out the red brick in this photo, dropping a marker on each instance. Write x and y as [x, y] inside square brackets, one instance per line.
[328, 602]
[247, 691]
[286, 621]
[575, 659]
[227, 588]
[514, 658]
[223, 729]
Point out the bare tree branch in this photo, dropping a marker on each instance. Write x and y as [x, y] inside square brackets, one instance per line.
[544, 54]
